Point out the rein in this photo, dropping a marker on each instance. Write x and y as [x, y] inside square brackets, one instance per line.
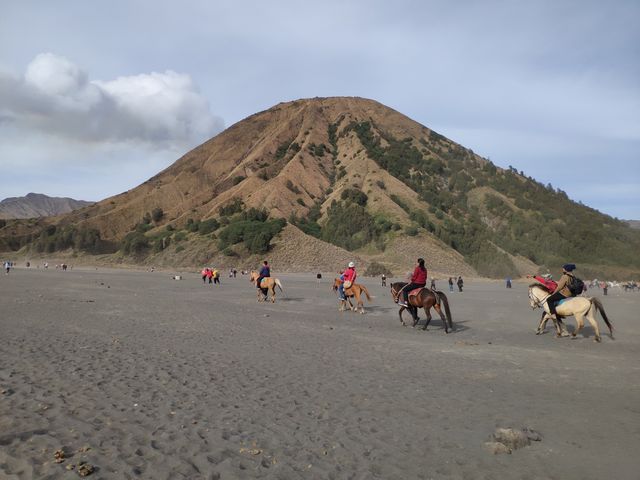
[538, 303]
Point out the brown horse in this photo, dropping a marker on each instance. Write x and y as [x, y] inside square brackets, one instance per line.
[426, 298]
[356, 290]
[267, 284]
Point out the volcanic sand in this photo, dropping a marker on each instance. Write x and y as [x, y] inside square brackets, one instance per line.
[147, 377]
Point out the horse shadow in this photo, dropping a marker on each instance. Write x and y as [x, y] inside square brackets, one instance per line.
[437, 324]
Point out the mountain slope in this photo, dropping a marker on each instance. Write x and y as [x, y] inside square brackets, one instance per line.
[354, 173]
[38, 205]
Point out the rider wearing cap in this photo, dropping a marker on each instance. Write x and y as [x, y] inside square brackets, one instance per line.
[562, 289]
[418, 280]
[349, 275]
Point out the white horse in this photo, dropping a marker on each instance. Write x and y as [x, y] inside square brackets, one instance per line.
[579, 307]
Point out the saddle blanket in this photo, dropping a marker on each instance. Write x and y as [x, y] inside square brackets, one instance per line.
[415, 291]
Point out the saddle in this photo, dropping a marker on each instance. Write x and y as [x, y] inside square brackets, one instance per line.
[416, 291]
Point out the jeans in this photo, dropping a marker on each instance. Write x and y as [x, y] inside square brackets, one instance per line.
[341, 291]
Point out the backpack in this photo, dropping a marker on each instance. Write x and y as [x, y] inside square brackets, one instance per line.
[576, 286]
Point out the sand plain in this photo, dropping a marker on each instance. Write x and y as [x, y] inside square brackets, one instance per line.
[146, 377]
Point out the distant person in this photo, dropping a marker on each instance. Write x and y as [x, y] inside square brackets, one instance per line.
[433, 284]
[605, 288]
[210, 275]
[384, 280]
[418, 280]
[204, 274]
[7, 267]
[450, 284]
[460, 283]
[216, 276]
[508, 282]
[318, 278]
[235, 272]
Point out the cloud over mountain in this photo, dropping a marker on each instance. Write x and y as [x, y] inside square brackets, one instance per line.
[56, 96]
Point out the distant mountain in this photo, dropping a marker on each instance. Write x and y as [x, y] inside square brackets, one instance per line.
[634, 224]
[349, 172]
[38, 205]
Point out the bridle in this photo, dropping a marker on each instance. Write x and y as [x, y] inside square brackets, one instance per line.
[537, 303]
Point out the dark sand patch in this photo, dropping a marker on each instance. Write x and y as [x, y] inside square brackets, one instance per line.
[156, 378]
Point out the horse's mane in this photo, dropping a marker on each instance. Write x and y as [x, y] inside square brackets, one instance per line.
[540, 286]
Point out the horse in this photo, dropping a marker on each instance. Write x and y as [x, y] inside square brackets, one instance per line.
[267, 284]
[426, 299]
[579, 307]
[355, 290]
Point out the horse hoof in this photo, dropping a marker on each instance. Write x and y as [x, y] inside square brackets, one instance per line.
[597, 339]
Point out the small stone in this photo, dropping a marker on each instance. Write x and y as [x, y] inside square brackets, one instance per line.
[71, 466]
[85, 469]
[496, 448]
[59, 456]
[266, 315]
[511, 437]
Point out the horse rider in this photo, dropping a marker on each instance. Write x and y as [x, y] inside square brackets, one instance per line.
[562, 289]
[265, 271]
[418, 280]
[349, 275]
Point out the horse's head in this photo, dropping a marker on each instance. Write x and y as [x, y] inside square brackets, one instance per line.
[336, 284]
[537, 294]
[253, 276]
[395, 290]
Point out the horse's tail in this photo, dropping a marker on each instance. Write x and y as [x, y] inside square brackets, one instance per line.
[277, 282]
[598, 306]
[366, 292]
[443, 298]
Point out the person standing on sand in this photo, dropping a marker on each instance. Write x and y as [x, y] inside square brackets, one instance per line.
[204, 274]
[384, 280]
[7, 267]
[433, 284]
[450, 284]
[460, 283]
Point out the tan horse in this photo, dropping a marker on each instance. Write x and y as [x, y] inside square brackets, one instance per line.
[579, 307]
[268, 284]
[355, 290]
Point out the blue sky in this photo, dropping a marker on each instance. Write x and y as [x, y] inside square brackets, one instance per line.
[96, 97]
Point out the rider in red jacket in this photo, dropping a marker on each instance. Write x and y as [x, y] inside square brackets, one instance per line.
[418, 280]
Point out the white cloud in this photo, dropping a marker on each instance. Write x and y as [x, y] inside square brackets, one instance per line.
[55, 96]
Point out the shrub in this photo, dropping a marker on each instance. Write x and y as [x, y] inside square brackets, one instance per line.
[134, 243]
[411, 231]
[157, 214]
[354, 195]
[208, 226]
[238, 179]
[301, 202]
[235, 206]
[375, 269]
[179, 248]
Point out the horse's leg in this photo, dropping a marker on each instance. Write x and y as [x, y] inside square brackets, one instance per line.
[273, 293]
[400, 315]
[579, 324]
[414, 313]
[542, 324]
[427, 310]
[442, 317]
[562, 328]
[592, 320]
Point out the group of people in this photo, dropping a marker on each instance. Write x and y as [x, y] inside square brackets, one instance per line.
[210, 274]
